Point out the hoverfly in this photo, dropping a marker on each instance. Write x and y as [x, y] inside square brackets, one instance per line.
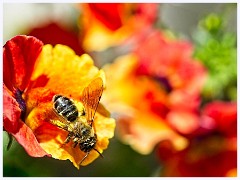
[71, 119]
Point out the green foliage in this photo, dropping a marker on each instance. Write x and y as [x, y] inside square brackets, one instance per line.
[217, 50]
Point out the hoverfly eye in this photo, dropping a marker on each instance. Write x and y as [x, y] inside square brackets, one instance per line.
[83, 113]
[56, 97]
[85, 131]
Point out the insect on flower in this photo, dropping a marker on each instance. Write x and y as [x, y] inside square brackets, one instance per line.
[79, 122]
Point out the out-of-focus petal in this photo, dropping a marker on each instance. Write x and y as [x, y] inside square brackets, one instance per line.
[108, 13]
[19, 56]
[183, 121]
[172, 61]
[177, 100]
[207, 156]
[53, 33]
[111, 24]
[143, 131]
[224, 114]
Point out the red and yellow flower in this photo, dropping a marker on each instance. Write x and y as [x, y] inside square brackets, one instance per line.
[148, 90]
[33, 74]
[110, 24]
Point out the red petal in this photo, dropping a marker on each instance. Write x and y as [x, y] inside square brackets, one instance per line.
[54, 34]
[184, 122]
[147, 11]
[19, 56]
[224, 114]
[12, 124]
[27, 139]
[11, 112]
[108, 14]
[41, 81]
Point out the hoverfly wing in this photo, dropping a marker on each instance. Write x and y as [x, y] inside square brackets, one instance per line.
[61, 122]
[90, 98]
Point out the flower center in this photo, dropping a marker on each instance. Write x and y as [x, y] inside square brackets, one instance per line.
[18, 96]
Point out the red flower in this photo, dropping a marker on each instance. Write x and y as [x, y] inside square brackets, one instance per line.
[213, 153]
[19, 57]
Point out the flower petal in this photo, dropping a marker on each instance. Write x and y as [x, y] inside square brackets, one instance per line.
[144, 130]
[140, 106]
[13, 125]
[111, 24]
[61, 64]
[52, 33]
[11, 112]
[183, 121]
[27, 139]
[224, 114]
[173, 61]
[19, 56]
[107, 13]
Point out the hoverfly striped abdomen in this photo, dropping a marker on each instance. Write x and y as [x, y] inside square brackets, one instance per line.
[65, 107]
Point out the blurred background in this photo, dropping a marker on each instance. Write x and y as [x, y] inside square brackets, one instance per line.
[178, 65]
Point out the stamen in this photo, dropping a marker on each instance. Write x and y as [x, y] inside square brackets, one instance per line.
[18, 95]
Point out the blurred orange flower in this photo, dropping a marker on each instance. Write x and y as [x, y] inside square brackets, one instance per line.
[109, 24]
[155, 92]
[57, 70]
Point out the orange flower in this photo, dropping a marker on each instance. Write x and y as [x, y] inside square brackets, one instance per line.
[110, 24]
[155, 92]
[59, 71]
[134, 101]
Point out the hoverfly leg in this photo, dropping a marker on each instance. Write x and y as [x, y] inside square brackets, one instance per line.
[10, 141]
[99, 153]
[84, 158]
[67, 140]
[75, 144]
